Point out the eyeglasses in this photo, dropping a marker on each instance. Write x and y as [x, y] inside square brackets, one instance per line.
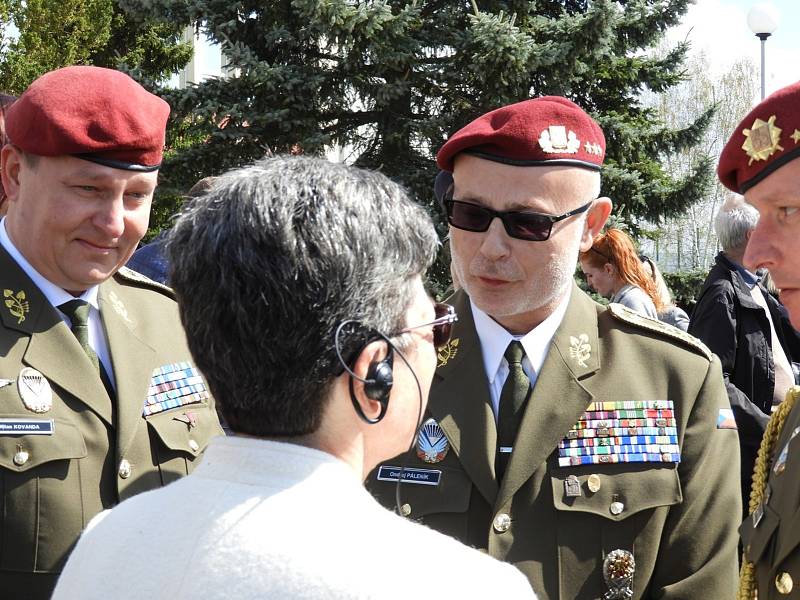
[519, 224]
[442, 324]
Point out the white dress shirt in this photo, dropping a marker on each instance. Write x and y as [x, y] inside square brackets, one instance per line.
[57, 296]
[495, 339]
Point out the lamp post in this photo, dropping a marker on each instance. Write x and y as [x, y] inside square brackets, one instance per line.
[763, 20]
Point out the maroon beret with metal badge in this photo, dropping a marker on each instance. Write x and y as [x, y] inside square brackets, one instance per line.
[766, 139]
[546, 131]
[92, 113]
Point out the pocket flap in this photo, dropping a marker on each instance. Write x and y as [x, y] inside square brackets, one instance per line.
[186, 429]
[621, 491]
[24, 452]
[449, 495]
[756, 539]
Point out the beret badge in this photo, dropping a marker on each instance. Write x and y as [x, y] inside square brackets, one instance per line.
[761, 140]
[556, 139]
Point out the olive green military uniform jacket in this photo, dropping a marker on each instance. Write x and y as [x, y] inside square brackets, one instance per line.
[771, 535]
[678, 520]
[98, 451]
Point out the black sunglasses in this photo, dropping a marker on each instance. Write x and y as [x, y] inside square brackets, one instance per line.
[519, 224]
[442, 324]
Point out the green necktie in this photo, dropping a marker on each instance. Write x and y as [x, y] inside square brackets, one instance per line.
[78, 313]
[512, 404]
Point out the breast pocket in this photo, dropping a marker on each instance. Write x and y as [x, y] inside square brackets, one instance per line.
[615, 507]
[42, 500]
[181, 436]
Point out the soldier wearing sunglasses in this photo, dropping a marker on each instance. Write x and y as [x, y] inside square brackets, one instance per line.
[588, 445]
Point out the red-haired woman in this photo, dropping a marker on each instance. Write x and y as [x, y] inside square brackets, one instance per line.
[5, 102]
[613, 270]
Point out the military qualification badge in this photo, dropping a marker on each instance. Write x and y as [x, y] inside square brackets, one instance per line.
[761, 140]
[34, 389]
[618, 569]
[432, 444]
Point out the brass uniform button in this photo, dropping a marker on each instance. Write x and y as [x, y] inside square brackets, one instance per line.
[194, 445]
[616, 508]
[502, 523]
[784, 583]
[124, 468]
[405, 510]
[593, 483]
[21, 457]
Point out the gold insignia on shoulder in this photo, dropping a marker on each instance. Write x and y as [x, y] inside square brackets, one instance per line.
[447, 353]
[557, 140]
[119, 307]
[623, 313]
[17, 304]
[796, 136]
[762, 140]
[579, 349]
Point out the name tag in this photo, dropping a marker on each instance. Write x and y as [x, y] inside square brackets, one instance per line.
[26, 426]
[409, 475]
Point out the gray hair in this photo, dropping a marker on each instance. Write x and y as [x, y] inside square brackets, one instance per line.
[734, 221]
[271, 260]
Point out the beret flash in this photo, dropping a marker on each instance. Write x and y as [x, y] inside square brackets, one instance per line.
[93, 113]
[545, 131]
[766, 139]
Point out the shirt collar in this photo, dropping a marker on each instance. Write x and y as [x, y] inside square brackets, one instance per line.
[750, 279]
[54, 294]
[495, 338]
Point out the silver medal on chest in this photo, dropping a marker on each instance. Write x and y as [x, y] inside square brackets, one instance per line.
[432, 444]
[34, 389]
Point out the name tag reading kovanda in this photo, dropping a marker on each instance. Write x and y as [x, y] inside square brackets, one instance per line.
[409, 475]
[26, 426]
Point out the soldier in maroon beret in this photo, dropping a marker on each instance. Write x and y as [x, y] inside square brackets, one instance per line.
[91, 350]
[586, 444]
[759, 161]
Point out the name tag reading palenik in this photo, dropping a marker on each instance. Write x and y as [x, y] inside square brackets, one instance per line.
[26, 426]
[409, 475]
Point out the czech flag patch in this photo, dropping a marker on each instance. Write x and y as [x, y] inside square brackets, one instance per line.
[725, 419]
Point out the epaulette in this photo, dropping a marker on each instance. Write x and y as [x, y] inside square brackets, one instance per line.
[623, 313]
[131, 275]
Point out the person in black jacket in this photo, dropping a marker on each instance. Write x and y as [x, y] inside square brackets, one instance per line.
[740, 321]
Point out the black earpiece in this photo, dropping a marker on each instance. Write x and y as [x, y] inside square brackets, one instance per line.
[379, 381]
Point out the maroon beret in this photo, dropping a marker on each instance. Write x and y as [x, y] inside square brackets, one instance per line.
[766, 139]
[545, 131]
[93, 113]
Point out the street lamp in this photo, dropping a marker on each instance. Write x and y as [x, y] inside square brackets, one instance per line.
[763, 20]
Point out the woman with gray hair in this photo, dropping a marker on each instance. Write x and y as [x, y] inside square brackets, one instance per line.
[300, 288]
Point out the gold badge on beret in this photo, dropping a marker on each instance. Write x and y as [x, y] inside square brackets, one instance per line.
[557, 140]
[761, 140]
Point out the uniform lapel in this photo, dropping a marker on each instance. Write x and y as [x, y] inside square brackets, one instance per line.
[462, 403]
[133, 362]
[558, 398]
[52, 349]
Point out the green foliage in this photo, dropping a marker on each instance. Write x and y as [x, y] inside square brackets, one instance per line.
[685, 287]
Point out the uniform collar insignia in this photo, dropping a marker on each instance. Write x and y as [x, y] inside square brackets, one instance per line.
[557, 140]
[118, 306]
[762, 140]
[579, 349]
[17, 304]
[447, 353]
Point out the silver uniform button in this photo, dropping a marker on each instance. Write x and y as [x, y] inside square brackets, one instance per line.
[124, 468]
[21, 457]
[194, 445]
[405, 510]
[502, 523]
[616, 508]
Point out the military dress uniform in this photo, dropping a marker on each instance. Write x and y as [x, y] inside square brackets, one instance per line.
[68, 449]
[623, 481]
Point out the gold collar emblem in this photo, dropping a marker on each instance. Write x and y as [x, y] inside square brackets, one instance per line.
[579, 349]
[17, 304]
[762, 140]
[448, 352]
